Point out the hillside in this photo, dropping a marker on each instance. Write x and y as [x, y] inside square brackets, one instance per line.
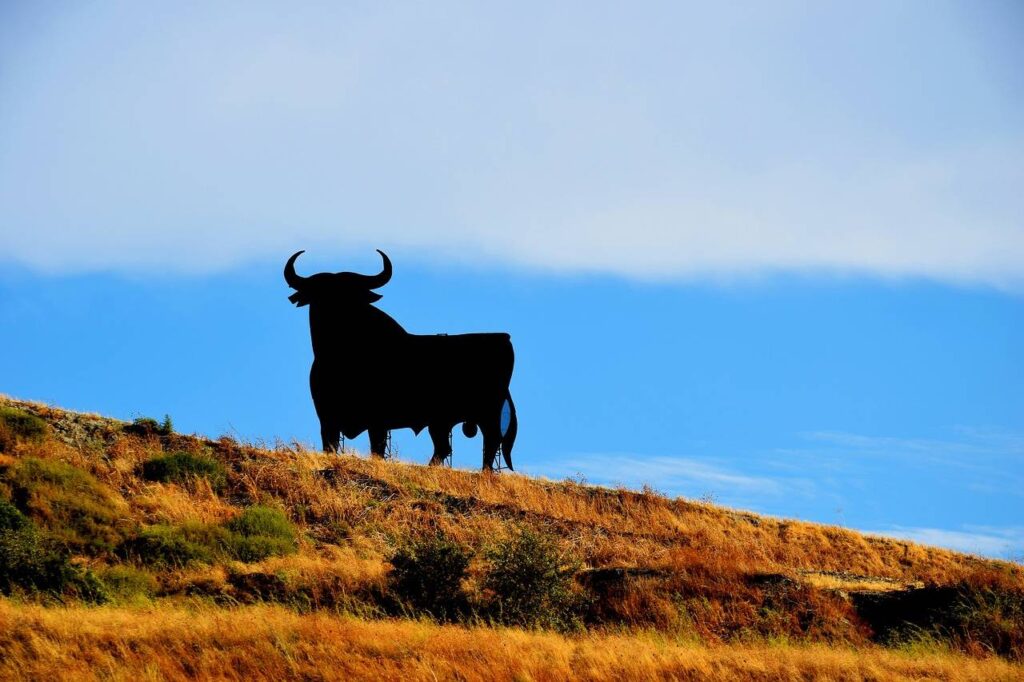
[134, 549]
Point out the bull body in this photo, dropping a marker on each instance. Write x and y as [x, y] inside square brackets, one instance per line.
[370, 374]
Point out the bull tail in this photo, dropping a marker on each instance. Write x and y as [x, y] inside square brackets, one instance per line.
[509, 429]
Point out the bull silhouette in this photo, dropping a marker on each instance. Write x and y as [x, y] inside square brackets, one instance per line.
[369, 374]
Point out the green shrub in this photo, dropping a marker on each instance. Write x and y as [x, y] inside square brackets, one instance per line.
[261, 520]
[69, 504]
[259, 547]
[257, 533]
[427, 575]
[177, 546]
[10, 517]
[180, 467]
[260, 532]
[18, 425]
[147, 426]
[128, 584]
[31, 563]
[25, 563]
[532, 584]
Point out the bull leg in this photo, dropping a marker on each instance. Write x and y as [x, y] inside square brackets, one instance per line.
[331, 437]
[508, 439]
[378, 442]
[442, 446]
[492, 439]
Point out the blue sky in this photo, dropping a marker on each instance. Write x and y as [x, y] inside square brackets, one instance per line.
[770, 255]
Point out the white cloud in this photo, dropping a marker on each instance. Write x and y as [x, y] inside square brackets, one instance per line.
[971, 441]
[1003, 543]
[989, 459]
[664, 143]
[689, 475]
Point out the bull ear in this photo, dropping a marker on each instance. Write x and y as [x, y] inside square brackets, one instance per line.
[299, 299]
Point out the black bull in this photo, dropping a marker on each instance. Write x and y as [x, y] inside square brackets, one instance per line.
[369, 374]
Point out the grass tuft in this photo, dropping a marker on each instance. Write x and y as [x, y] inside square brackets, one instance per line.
[18, 425]
[183, 467]
[128, 584]
[177, 546]
[260, 532]
[256, 534]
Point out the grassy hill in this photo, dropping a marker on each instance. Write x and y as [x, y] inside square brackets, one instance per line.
[129, 550]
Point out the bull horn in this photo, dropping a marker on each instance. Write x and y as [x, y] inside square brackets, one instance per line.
[379, 280]
[294, 281]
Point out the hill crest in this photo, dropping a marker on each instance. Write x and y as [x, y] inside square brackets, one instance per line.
[156, 515]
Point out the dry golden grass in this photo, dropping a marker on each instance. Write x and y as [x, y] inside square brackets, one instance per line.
[266, 642]
[701, 574]
[608, 527]
[830, 581]
[383, 501]
[341, 567]
[170, 503]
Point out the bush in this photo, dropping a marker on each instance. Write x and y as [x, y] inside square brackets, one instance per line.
[260, 532]
[25, 563]
[147, 426]
[532, 584]
[31, 563]
[261, 520]
[69, 504]
[427, 575]
[180, 467]
[259, 547]
[10, 517]
[257, 533]
[177, 546]
[18, 425]
[129, 584]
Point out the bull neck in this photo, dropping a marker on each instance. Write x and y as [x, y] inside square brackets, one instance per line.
[333, 330]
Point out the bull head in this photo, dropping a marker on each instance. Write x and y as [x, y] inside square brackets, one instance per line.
[336, 287]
